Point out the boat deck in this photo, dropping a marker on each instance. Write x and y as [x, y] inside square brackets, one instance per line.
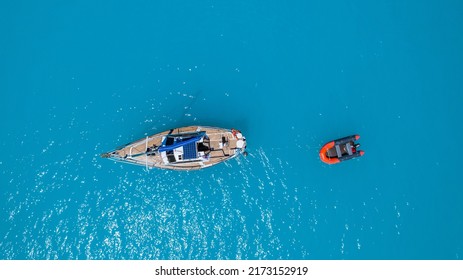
[222, 145]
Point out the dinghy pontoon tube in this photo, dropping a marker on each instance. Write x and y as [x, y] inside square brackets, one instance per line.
[340, 150]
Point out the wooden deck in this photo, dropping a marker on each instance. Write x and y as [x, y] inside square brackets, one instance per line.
[221, 141]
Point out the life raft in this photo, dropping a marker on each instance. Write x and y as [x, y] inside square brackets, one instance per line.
[340, 150]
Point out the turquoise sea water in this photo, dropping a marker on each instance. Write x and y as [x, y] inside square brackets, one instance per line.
[78, 78]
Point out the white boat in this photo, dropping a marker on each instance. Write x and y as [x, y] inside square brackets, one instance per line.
[185, 148]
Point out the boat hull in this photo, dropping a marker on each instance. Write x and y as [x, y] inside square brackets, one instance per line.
[223, 144]
[336, 151]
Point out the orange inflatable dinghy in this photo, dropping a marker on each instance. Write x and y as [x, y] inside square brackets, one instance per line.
[340, 150]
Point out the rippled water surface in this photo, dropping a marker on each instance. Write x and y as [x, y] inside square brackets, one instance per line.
[79, 79]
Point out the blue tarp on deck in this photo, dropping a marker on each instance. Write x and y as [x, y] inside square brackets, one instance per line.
[181, 143]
